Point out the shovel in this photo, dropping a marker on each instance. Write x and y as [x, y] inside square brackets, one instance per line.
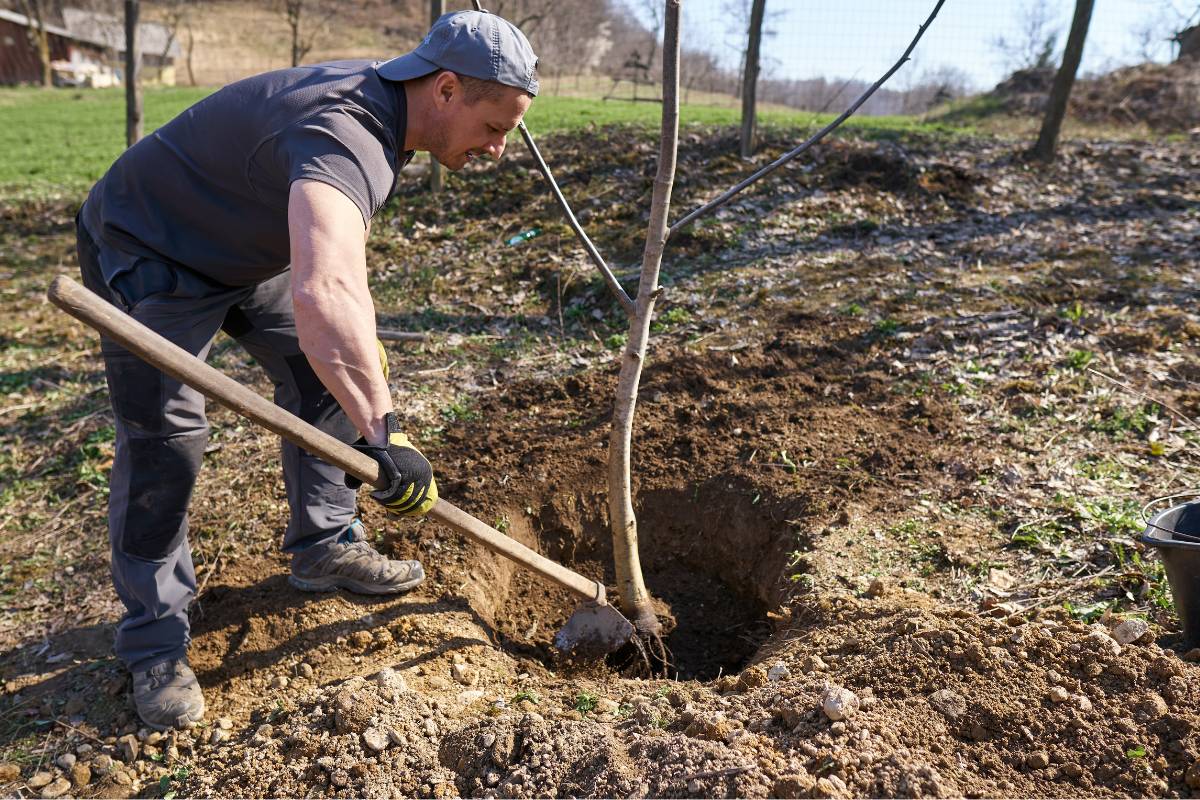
[594, 630]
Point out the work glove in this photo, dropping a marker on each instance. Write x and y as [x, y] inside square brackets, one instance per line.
[411, 489]
[383, 359]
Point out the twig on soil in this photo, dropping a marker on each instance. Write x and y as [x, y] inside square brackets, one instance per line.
[818, 136]
[718, 773]
[208, 572]
[1145, 396]
[436, 370]
[1075, 584]
[84, 734]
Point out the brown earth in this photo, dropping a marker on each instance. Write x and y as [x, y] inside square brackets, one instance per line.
[868, 455]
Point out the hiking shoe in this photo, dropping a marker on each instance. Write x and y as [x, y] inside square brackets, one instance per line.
[349, 562]
[168, 695]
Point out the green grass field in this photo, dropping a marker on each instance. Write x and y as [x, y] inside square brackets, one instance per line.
[62, 140]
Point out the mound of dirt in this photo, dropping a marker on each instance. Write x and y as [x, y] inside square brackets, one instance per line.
[885, 696]
[1165, 97]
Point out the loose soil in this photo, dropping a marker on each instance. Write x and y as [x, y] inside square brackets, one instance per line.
[869, 455]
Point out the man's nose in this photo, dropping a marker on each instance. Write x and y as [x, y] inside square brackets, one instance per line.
[495, 147]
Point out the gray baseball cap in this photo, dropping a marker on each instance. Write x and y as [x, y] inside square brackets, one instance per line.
[472, 43]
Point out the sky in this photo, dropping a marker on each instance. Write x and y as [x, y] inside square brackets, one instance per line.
[863, 38]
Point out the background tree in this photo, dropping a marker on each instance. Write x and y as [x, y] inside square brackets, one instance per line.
[133, 89]
[1060, 93]
[35, 11]
[306, 19]
[750, 77]
[1033, 46]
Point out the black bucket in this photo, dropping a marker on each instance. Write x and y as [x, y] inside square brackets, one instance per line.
[1176, 534]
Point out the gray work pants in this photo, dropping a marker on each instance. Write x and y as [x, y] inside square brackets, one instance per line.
[161, 435]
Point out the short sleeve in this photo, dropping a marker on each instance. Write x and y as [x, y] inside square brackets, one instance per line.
[336, 148]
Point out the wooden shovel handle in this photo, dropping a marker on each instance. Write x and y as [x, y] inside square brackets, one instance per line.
[135, 337]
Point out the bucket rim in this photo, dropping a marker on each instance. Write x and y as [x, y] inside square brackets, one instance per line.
[1149, 536]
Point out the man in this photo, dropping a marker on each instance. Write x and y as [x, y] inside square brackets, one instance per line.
[249, 213]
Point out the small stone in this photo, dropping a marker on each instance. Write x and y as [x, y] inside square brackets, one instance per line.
[1099, 636]
[839, 703]
[1150, 706]
[487, 740]
[1059, 695]
[375, 739]
[1082, 702]
[751, 678]
[40, 779]
[779, 671]
[793, 786]
[57, 788]
[225, 723]
[1038, 760]
[217, 736]
[878, 588]
[815, 663]
[606, 705]
[467, 676]
[1072, 770]
[397, 738]
[102, 763]
[279, 682]
[949, 703]
[491, 778]
[128, 747]
[81, 775]
[361, 639]
[154, 737]
[1130, 630]
[305, 670]
[83, 749]
[65, 761]
[9, 772]
[431, 728]
[122, 778]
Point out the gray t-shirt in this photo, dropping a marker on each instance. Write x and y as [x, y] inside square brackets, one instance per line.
[209, 190]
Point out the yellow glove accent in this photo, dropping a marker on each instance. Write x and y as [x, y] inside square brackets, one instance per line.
[383, 359]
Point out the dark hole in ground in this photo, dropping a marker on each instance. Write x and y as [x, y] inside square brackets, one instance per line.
[715, 566]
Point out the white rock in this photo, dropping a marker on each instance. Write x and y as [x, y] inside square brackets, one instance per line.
[949, 703]
[66, 761]
[467, 676]
[778, 671]
[279, 682]
[305, 670]
[375, 739]
[1082, 701]
[839, 703]
[225, 723]
[1130, 630]
[1100, 635]
[1059, 695]
[218, 735]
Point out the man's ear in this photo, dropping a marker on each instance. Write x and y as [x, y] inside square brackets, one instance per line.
[445, 86]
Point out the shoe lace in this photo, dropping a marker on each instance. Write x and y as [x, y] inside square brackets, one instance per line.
[161, 674]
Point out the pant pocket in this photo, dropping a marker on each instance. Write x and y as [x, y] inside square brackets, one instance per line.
[136, 389]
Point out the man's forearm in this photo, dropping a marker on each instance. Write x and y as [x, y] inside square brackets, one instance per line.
[344, 355]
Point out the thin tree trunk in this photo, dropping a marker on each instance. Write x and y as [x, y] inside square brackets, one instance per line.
[436, 178]
[191, 46]
[133, 93]
[750, 78]
[635, 600]
[1060, 93]
[39, 37]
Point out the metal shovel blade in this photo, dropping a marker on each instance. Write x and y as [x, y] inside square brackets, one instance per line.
[594, 630]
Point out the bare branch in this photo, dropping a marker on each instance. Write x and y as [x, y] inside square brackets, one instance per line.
[821, 134]
[610, 279]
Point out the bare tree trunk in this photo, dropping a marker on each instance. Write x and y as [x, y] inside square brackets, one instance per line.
[1060, 93]
[436, 179]
[635, 600]
[39, 37]
[294, 10]
[750, 77]
[191, 47]
[133, 93]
